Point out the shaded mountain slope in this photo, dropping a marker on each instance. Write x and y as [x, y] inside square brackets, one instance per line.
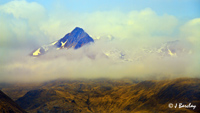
[7, 105]
[17, 90]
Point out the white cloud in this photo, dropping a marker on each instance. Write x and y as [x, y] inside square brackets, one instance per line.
[136, 25]
[191, 31]
[22, 9]
[20, 21]
[145, 23]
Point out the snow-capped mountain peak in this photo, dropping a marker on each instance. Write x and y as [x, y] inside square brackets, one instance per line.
[76, 39]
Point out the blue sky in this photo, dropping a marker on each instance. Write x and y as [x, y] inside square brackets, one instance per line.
[179, 8]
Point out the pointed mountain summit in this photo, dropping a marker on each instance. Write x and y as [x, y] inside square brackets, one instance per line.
[76, 39]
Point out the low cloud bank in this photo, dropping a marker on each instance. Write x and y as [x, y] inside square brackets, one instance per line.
[90, 62]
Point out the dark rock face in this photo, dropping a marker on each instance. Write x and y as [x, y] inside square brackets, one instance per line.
[76, 39]
[7, 105]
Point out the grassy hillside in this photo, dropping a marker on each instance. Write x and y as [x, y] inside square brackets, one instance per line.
[106, 96]
[112, 96]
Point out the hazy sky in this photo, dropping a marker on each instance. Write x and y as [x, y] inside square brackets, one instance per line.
[28, 24]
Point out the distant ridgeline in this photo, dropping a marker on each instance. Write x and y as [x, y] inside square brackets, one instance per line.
[76, 39]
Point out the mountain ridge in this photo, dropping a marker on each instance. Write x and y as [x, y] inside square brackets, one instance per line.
[76, 39]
